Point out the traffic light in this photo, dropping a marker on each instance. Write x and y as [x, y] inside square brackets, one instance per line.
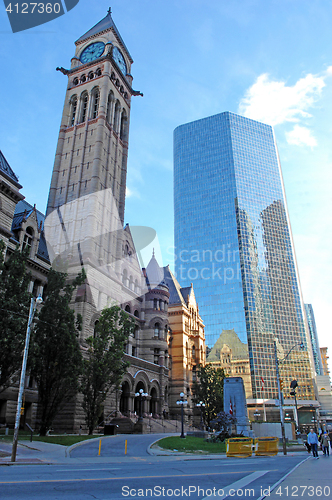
[281, 384]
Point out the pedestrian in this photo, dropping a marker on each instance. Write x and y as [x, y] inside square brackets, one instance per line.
[330, 436]
[326, 444]
[313, 441]
[307, 445]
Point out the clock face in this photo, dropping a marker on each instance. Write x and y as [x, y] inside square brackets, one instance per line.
[92, 52]
[119, 59]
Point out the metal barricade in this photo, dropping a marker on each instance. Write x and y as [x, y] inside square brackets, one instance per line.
[266, 446]
[239, 447]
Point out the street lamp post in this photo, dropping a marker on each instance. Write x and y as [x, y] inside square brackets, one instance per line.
[280, 396]
[293, 386]
[141, 395]
[313, 418]
[33, 304]
[280, 400]
[201, 406]
[182, 402]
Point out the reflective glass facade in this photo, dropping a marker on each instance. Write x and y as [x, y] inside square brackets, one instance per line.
[233, 241]
[314, 339]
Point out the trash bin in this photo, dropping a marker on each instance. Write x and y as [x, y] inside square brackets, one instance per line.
[110, 429]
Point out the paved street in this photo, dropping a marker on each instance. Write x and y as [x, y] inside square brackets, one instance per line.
[81, 474]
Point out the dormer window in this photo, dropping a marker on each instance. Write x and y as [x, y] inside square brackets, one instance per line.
[27, 240]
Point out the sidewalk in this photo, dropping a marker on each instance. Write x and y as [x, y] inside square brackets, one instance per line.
[311, 479]
[36, 452]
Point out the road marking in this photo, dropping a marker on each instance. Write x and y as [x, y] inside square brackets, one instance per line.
[84, 470]
[242, 483]
[122, 478]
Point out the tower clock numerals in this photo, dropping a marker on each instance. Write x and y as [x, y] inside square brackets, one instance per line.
[92, 51]
[119, 59]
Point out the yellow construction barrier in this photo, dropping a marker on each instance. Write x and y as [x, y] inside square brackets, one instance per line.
[239, 447]
[266, 446]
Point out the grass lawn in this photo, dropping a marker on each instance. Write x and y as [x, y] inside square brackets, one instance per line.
[64, 440]
[190, 444]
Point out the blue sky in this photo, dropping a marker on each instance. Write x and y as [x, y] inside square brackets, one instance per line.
[271, 61]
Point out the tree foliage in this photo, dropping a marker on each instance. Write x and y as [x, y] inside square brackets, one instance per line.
[209, 388]
[14, 313]
[55, 355]
[223, 424]
[104, 364]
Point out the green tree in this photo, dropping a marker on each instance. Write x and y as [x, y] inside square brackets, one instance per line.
[209, 388]
[55, 355]
[104, 365]
[14, 312]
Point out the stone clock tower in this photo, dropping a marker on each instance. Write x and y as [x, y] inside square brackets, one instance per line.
[85, 211]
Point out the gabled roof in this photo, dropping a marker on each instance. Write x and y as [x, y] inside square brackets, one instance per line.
[5, 167]
[154, 273]
[232, 340]
[105, 24]
[175, 290]
[23, 211]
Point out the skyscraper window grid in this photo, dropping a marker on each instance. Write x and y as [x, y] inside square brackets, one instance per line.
[233, 241]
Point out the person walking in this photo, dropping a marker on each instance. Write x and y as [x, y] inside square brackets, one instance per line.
[326, 444]
[330, 436]
[313, 441]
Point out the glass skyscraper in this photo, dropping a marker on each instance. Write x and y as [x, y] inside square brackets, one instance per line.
[314, 339]
[233, 241]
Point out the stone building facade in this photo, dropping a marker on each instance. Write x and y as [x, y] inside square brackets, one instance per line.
[84, 226]
[21, 225]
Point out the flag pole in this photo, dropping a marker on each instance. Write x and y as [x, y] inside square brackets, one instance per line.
[264, 409]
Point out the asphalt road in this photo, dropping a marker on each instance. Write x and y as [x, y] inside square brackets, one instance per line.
[114, 475]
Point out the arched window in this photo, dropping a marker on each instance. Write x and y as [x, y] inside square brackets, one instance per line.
[127, 309]
[95, 103]
[136, 287]
[193, 353]
[116, 116]
[73, 110]
[110, 101]
[27, 240]
[155, 304]
[124, 126]
[156, 329]
[136, 313]
[84, 106]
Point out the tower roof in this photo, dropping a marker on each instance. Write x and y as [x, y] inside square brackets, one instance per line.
[105, 24]
[5, 167]
[178, 295]
[154, 272]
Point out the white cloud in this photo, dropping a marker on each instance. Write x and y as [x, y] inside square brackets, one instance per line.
[301, 136]
[273, 102]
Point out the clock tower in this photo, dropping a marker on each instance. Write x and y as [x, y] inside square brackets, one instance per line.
[85, 210]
